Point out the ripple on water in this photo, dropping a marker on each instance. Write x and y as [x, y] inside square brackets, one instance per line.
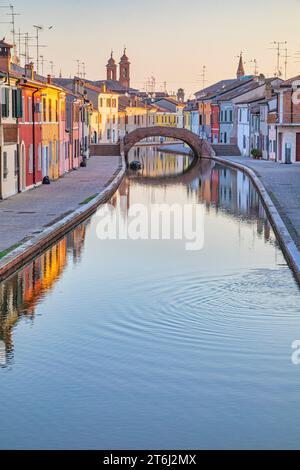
[195, 310]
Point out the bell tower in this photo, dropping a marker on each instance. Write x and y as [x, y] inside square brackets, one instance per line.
[124, 78]
[111, 68]
[240, 71]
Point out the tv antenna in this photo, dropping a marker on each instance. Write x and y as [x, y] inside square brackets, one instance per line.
[278, 48]
[255, 66]
[26, 44]
[286, 57]
[12, 22]
[42, 61]
[78, 62]
[83, 70]
[52, 67]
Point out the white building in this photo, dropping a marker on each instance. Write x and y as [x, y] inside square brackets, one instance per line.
[243, 129]
[11, 110]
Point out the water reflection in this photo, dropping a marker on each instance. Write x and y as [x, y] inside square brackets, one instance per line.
[20, 294]
[219, 188]
[143, 344]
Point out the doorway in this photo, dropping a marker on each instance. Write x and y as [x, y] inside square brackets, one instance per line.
[298, 147]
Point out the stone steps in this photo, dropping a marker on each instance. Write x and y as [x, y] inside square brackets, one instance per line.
[226, 150]
[105, 150]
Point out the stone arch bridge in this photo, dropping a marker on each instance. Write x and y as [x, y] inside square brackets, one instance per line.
[199, 147]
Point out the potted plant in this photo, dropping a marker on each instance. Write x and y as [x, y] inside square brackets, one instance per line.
[256, 154]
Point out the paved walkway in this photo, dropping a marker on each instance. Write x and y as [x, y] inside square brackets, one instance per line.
[29, 213]
[282, 183]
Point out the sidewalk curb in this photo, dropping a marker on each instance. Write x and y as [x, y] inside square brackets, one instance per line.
[285, 240]
[38, 243]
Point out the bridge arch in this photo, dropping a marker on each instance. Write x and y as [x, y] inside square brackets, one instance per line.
[191, 139]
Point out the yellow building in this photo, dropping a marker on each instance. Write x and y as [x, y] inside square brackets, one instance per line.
[134, 113]
[187, 119]
[165, 117]
[52, 100]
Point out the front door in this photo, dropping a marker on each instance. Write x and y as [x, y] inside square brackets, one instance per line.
[280, 146]
[298, 147]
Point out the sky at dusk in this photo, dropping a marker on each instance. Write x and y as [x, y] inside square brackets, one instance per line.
[169, 39]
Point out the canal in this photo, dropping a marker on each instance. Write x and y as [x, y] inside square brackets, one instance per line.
[144, 344]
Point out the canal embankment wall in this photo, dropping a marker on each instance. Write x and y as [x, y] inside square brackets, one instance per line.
[34, 220]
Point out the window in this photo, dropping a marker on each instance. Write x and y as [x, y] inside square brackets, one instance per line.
[50, 110]
[5, 102]
[30, 159]
[225, 137]
[50, 152]
[230, 116]
[75, 149]
[23, 109]
[225, 116]
[114, 119]
[240, 116]
[5, 167]
[29, 106]
[39, 157]
[108, 134]
[16, 163]
[108, 103]
[56, 151]
[44, 110]
[17, 104]
[244, 142]
[270, 145]
[56, 111]
[114, 103]
[101, 102]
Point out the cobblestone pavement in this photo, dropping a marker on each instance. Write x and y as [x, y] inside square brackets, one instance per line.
[30, 212]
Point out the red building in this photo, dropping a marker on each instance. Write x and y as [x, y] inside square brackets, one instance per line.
[30, 131]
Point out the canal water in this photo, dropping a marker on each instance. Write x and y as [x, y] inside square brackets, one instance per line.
[144, 344]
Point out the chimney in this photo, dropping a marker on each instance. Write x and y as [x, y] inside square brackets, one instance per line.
[268, 91]
[49, 79]
[5, 57]
[29, 71]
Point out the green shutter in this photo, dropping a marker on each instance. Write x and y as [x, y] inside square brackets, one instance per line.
[19, 109]
[14, 103]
